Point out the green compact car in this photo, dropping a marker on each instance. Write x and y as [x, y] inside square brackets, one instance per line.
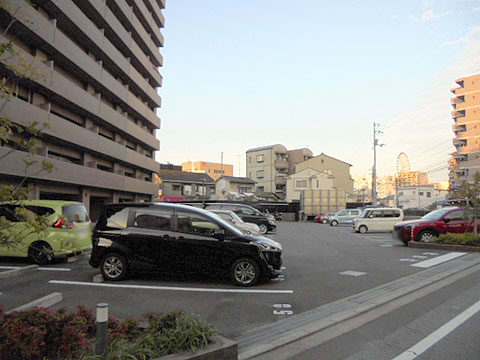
[69, 231]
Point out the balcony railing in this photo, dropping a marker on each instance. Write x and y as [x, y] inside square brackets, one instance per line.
[281, 164]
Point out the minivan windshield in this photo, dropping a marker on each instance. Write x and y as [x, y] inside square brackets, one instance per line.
[436, 214]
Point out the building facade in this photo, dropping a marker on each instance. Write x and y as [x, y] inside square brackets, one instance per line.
[97, 89]
[416, 196]
[465, 161]
[268, 167]
[412, 178]
[232, 187]
[178, 185]
[214, 170]
[307, 179]
[340, 170]
[297, 156]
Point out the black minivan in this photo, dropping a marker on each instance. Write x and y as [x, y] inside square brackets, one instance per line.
[173, 238]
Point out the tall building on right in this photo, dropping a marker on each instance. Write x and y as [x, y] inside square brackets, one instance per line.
[465, 161]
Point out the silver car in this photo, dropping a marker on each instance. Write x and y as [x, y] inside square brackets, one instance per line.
[233, 218]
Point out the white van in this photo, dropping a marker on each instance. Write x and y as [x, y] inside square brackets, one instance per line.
[378, 219]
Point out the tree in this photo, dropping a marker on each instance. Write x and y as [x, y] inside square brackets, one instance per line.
[15, 137]
[471, 192]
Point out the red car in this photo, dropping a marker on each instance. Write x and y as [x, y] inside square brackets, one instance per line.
[435, 223]
[322, 218]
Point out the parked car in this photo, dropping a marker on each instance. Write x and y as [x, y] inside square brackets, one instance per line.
[235, 220]
[440, 221]
[344, 216]
[323, 218]
[69, 234]
[266, 222]
[173, 238]
[379, 219]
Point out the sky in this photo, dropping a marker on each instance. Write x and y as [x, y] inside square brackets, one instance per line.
[317, 74]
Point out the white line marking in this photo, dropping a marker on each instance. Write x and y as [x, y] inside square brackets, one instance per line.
[386, 245]
[353, 273]
[172, 288]
[419, 348]
[40, 268]
[409, 260]
[430, 253]
[420, 257]
[439, 260]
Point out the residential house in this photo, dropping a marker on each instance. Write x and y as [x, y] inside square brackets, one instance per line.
[228, 187]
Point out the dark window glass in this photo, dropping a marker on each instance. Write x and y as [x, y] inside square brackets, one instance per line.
[8, 212]
[195, 224]
[388, 213]
[153, 219]
[376, 214]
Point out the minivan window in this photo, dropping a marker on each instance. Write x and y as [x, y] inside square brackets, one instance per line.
[191, 223]
[388, 213]
[154, 219]
[117, 219]
[8, 211]
[75, 213]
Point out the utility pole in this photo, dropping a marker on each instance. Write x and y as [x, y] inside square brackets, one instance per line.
[221, 163]
[374, 170]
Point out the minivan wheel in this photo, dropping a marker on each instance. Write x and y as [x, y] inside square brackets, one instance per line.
[362, 229]
[324, 221]
[244, 272]
[263, 228]
[334, 223]
[40, 253]
[114, 267]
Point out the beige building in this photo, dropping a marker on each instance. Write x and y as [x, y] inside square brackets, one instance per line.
[412, 178]
[339, 169]
[307, 179]
[268, 166]
[214, 170]
[297, 156]
[228, 187]
[465, 160]
[98, 91]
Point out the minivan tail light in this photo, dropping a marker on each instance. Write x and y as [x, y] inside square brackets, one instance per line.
[63, 224]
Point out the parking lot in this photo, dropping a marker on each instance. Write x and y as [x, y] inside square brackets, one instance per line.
[322, 264]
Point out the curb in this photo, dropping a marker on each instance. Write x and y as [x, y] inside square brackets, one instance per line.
[16, 272]
[221, 349]
[435, 246]
[43, 302]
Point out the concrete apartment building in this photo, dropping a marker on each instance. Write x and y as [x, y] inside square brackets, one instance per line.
[99, 63]
[465, 161]
[214, 170]
[416, 196]
[268, 166]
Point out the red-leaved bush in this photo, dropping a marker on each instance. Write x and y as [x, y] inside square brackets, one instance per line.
[41, 334]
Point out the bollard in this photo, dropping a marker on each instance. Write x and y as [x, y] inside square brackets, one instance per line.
[101, 331]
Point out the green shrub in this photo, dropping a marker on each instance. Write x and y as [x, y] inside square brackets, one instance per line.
[468, 239]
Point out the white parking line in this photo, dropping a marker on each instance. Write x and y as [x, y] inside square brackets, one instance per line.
[419, 348]
[40, 268]
[353, 273]
[438, 260]
[171, 288]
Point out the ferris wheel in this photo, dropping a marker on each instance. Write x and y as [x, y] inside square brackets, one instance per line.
[403, 165]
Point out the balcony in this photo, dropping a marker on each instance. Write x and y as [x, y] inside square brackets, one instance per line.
[460, 157]
[458, 143]
[459, 128]
[281, 164]
[280, 180]
[458, 114]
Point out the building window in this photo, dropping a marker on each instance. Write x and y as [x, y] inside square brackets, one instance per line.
[260, 174]
[243, 189]
[176, 187]
[429, 194]
[300, 184]
[400, 193]
[260, 159]
[420, 193]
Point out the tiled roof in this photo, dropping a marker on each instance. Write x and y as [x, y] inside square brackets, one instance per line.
[238, 180]
[184, 176]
